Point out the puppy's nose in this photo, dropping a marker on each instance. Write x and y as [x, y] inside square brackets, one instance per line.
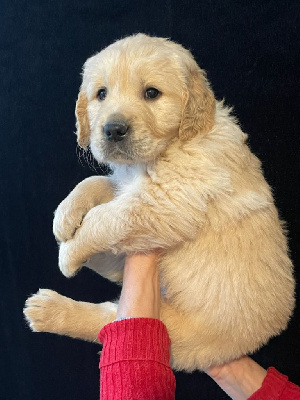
[115, 131]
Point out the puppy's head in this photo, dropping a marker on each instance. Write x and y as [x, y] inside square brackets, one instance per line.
[139, 94]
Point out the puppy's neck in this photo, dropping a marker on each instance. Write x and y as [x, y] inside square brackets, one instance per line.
[124, 174]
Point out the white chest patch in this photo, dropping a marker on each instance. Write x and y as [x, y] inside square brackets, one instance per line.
[128, 178]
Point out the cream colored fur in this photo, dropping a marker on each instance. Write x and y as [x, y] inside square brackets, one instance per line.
[184, 181]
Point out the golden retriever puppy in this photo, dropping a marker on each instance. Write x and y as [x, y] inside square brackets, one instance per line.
[184, 181]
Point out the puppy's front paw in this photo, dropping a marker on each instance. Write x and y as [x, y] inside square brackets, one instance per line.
[46, 311]
[67, 219]
[70, 258]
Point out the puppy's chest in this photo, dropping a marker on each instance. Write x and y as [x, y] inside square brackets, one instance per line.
[128, 180]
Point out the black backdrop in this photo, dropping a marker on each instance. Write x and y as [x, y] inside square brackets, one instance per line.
[251, 52]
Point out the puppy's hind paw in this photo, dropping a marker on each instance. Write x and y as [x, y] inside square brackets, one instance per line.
[45, 311]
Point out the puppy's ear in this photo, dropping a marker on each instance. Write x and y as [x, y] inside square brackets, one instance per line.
[82, 121]
[198, 106]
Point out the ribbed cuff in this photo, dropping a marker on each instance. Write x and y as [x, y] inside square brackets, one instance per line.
[135, 339]
[134, 362]
[272, 387]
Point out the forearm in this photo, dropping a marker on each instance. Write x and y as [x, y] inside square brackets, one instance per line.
[140, 295]
[240, 378]
[137, 348]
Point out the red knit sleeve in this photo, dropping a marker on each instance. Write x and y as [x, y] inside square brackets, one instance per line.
[276, 387]
[134, 362]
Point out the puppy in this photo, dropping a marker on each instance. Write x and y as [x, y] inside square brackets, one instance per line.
[183, 181]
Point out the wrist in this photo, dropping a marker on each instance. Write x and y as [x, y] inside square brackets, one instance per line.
[240, 378]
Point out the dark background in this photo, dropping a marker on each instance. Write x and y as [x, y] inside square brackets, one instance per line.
[251, 52]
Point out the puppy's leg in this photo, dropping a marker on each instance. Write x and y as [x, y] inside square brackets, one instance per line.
[124, 225]
[48, 311]
[195, 344]
[87, 194]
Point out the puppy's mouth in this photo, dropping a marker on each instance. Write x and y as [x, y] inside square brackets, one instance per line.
[120, 152]
[117, 143]
[121, 141]
[127, 151]
[132, 149]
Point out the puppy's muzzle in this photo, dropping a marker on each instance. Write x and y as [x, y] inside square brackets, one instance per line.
[116, 131]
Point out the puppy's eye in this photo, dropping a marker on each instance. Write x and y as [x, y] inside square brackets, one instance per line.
[152, 93]
[101, 94]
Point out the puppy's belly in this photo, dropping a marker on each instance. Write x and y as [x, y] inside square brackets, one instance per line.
[235, 277]
[108, 265]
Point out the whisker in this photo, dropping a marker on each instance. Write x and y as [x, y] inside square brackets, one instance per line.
[85, 157]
